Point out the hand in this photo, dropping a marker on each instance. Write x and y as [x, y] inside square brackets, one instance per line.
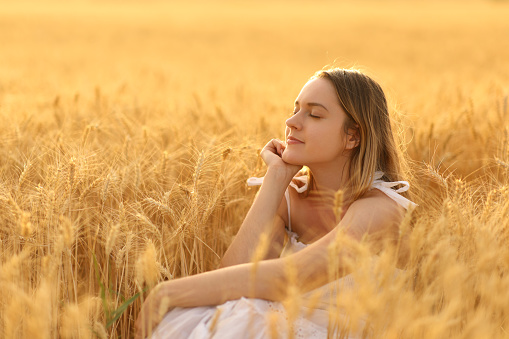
[156, 305]
[272, 155]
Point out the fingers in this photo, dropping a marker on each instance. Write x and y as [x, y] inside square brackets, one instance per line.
[142, 324]
[283, 147]
[279, 148]
[143, 329]
[272, 153]
[139, 328]
[279, 145]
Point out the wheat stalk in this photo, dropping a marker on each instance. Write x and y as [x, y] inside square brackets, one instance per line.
[126, 147]
[67, 230]
[26, 226]
[24, 174]
[100, 331]
[338, 204]
[87, 190]
[111, 239]
[72, 173]
[164, 162]
[138, 176]
[104, 192]
[197, 171]
[162, 207]
[84, 137]
[145, 134]
[501, 163]
[147, 267]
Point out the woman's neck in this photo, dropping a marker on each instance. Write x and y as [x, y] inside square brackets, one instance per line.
[328, 179]
[331, 176]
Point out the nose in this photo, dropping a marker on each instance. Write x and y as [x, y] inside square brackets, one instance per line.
[294, 122]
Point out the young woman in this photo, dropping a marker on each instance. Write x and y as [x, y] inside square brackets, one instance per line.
[341, 131]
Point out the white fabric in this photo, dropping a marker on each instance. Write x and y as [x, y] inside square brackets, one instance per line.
[257, 181]
[287, 196]
[242, 318]
[256, 318]
[386, 187]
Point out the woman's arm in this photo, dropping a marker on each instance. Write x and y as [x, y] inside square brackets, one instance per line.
[263, 218]
[375, 218]
[212, 288]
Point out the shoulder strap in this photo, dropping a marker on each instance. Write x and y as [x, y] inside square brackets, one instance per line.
[386, 187]
[303, 179]
[254, 181]
[287, 196]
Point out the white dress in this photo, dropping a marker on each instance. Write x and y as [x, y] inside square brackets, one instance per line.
[261, 319]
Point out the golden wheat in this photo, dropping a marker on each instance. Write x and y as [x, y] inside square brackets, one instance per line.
[127, 167]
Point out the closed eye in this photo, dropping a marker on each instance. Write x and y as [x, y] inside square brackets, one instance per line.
[311, 115]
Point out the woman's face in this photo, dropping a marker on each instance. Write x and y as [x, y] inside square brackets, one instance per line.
[314, 133]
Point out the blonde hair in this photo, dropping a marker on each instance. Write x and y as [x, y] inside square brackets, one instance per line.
[365, 105]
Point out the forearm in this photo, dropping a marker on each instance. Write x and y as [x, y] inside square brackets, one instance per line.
[260, 218]
[230, 283]
[268, 280]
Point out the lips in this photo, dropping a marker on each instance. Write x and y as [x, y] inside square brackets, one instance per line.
[292, 141]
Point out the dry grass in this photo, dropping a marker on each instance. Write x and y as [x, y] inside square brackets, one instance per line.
[129, 131]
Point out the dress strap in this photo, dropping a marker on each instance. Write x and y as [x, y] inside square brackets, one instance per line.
[254, 181]
[287, 196]
[386, 187]
[303, 179]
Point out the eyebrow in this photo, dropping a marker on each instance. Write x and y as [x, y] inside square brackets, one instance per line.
[313, 104]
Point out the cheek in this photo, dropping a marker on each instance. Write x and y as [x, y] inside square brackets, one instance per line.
[329, 142]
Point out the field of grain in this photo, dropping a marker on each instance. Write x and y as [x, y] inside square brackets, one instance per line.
[128, 130]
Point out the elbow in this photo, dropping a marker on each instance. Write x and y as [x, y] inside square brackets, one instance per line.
[312, 281]
[273, 286]
[275, 279]
[289, 276]
[308, 273]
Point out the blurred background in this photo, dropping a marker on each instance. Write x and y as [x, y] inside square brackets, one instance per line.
[149, 47]
[250, 57]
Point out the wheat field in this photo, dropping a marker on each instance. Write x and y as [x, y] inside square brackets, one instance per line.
[129, 130]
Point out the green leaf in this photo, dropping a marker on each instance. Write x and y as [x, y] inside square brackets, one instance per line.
[103, 291]
[121, 309]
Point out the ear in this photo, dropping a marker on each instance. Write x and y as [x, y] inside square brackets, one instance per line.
[353, 137]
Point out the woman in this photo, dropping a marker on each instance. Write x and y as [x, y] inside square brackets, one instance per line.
[340, 130]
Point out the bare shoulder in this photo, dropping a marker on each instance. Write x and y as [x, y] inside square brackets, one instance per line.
[376, 199]
[373, 214]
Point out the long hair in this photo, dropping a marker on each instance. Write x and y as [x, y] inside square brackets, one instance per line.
[365, 105]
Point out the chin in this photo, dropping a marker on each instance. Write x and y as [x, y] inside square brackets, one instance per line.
[289, 159]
